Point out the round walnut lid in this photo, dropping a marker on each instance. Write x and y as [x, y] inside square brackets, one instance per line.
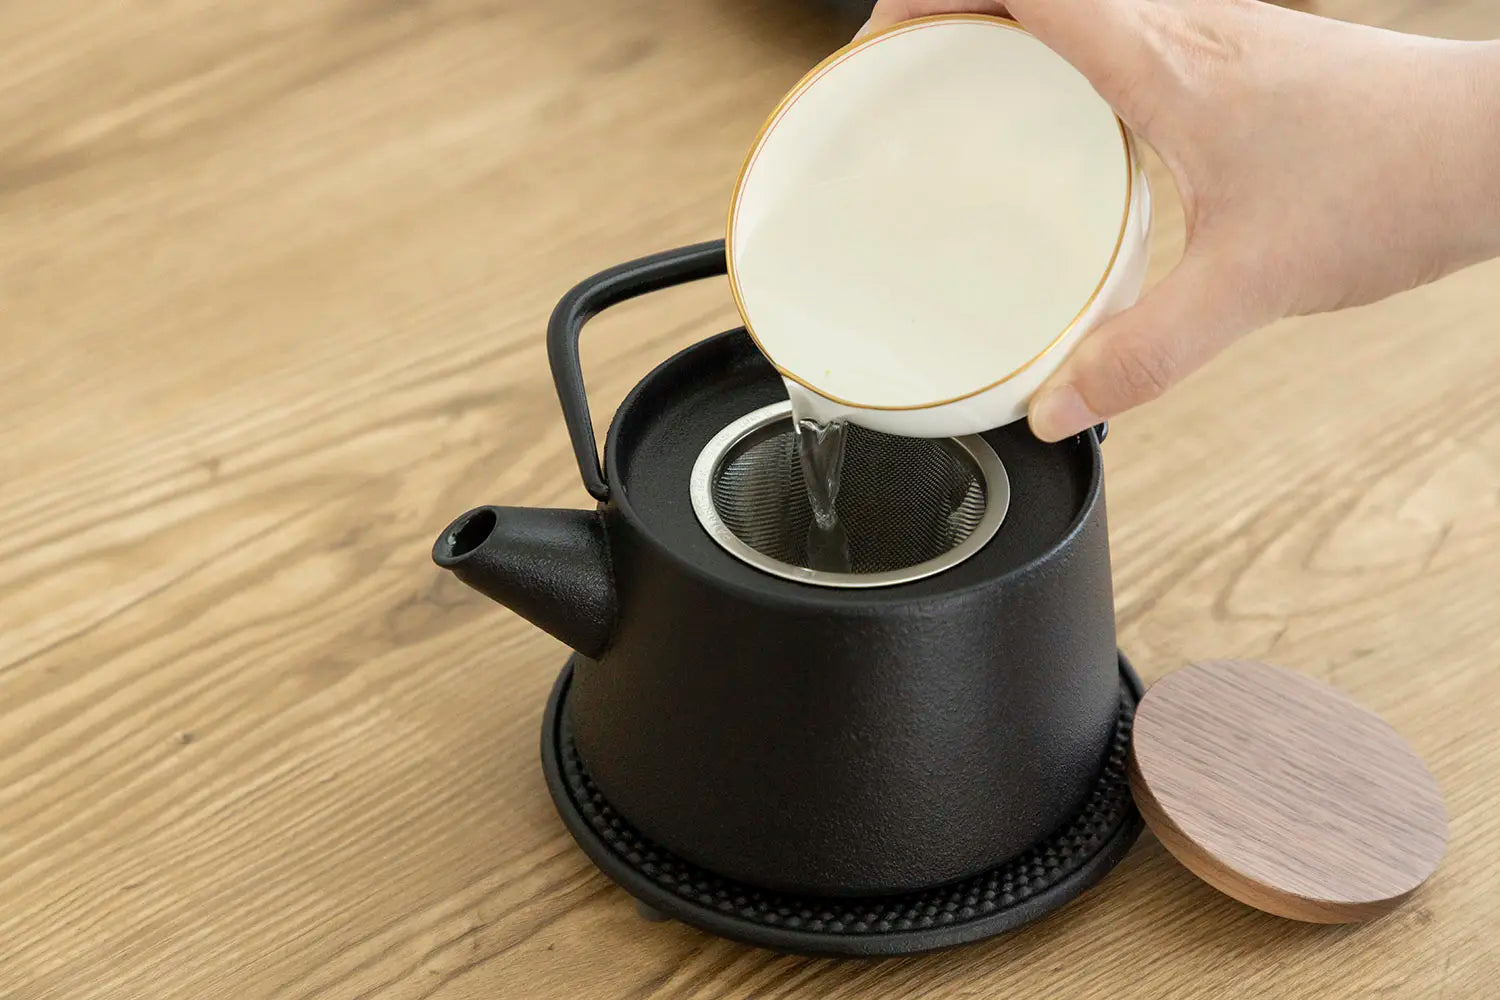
[1282, 793]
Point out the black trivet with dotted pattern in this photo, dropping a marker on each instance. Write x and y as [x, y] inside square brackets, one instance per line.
[1038, 882]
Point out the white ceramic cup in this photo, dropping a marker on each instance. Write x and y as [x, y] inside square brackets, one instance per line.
[930, 221]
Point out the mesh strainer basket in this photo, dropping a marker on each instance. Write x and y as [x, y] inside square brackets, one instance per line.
[911, 507]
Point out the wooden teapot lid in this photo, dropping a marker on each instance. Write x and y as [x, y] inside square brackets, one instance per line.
[1280, 792]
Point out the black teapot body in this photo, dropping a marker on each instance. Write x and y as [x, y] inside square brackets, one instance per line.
[822, 740]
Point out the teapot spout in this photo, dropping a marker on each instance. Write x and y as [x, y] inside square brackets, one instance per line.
[551, 567]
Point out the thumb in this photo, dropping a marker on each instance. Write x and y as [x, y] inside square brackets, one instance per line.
[1133, 357]
[889, 12]
[1098, 37]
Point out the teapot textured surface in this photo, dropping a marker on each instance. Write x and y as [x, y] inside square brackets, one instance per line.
[798, 738]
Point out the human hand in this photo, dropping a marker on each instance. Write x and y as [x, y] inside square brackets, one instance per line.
[1320, 164]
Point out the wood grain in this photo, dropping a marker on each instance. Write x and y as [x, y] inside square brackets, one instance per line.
[273, 278]
[1278, 790]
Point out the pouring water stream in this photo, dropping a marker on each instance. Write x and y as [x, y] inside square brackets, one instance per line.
[820, 452]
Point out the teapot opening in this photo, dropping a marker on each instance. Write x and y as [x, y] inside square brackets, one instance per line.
[466, 536]
[909, 507]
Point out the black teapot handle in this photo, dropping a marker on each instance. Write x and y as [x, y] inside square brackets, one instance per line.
[591, 297]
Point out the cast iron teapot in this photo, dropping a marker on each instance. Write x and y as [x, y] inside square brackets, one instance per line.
[811, 735]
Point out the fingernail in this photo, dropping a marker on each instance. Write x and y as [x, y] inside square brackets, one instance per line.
[864, 29]
[1060, 412]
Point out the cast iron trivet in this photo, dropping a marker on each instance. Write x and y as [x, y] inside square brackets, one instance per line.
[1031, 886]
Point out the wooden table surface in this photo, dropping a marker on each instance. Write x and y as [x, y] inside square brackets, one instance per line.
[273, 278]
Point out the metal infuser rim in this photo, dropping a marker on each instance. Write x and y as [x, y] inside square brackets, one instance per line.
[712, 459]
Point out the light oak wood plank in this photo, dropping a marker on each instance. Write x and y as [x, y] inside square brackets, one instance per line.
[273, 280]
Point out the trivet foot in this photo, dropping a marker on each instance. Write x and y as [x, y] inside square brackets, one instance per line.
[650, 914]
